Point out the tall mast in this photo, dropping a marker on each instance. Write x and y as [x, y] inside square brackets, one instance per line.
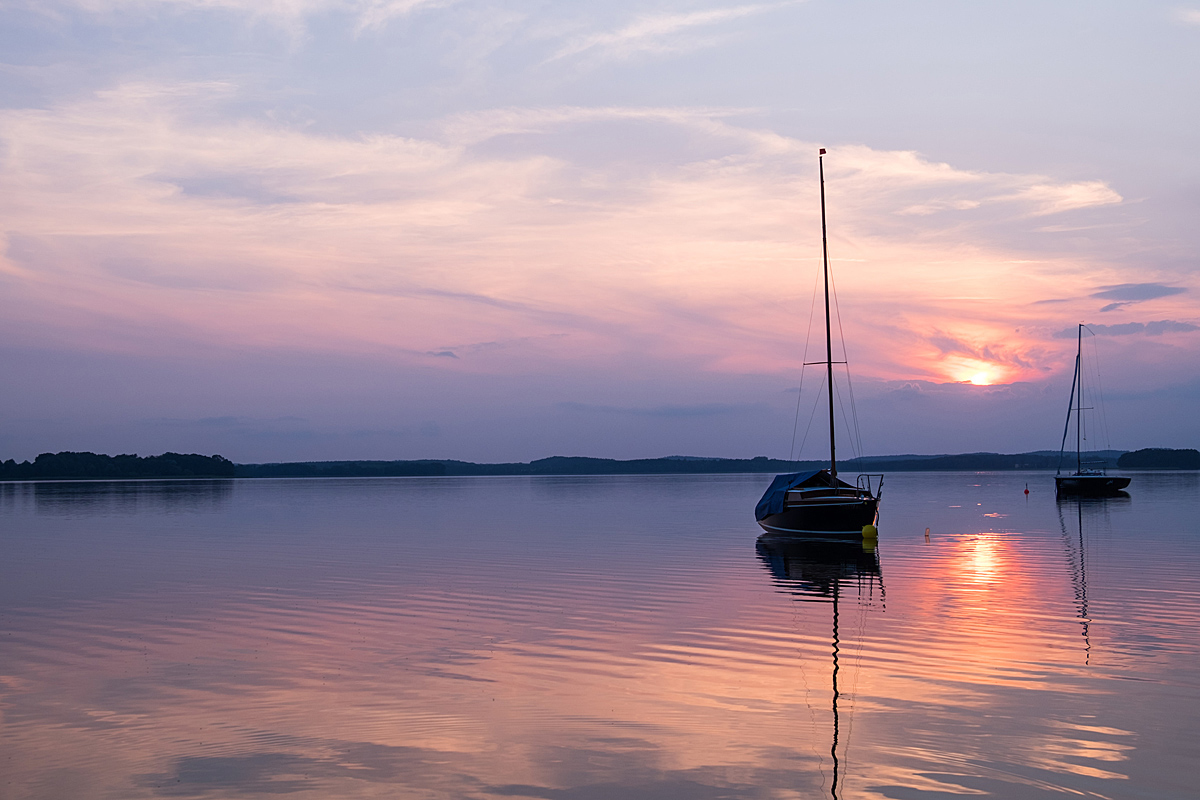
[828, 335]
[1062, 448]
[1078, 399]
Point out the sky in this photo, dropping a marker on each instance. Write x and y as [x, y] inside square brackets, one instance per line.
[391, 229]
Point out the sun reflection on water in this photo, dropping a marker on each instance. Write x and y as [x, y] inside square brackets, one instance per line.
[984, 558]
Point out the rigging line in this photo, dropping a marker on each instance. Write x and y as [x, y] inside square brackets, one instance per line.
[800, 392]
[807, 428]
[1100, 392]
[846, 361]
[854, 412]
[841, 407]
[1083, 418]
[1099, 428]
[845, 421]
[1085, 382]
[796, 420]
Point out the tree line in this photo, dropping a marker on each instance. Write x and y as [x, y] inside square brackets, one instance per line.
[76, 466]
[1160, 458]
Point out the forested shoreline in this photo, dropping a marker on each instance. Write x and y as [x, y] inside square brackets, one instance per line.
[93, 466]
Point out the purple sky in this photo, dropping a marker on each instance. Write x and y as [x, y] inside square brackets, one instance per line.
[326, 229]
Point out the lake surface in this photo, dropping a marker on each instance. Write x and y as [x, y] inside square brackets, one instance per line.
[595, 637]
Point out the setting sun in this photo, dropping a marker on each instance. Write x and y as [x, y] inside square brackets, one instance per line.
[982, 370]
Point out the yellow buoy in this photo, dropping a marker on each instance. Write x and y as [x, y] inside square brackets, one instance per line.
[870, 532]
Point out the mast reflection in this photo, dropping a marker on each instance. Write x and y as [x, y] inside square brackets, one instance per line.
[1074, 541]
[817, 570]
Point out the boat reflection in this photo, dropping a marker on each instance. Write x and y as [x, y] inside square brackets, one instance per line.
[819, 570]
[817, 567]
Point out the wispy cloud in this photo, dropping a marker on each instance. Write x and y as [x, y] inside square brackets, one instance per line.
[1127, 294]
[660, 33]
[376, 13]
[914, 186]
[1157, 328]
[291, 13]
[1047, 198]
[1189, 16]
[697, 410]
[479, 126]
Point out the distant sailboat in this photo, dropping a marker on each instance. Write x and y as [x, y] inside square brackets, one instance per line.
[1093, 480]
[818, 501]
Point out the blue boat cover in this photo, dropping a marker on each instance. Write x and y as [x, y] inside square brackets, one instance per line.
[772, 499]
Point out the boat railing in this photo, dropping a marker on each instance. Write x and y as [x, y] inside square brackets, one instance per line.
[865, 484]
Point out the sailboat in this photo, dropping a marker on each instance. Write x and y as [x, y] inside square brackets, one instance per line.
[818, 501]
[1092, 480]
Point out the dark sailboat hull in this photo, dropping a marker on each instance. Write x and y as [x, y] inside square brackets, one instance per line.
[845, 516]
[1089, 485]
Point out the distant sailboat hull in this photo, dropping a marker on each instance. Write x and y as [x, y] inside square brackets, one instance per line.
[1089, 485]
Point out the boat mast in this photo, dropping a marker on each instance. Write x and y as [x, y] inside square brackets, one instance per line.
[1078, 400]
[828, 335]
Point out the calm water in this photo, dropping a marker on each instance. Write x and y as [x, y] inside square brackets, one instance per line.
[600, 637]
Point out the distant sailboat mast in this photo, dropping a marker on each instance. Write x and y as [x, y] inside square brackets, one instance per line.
[1072, 405]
